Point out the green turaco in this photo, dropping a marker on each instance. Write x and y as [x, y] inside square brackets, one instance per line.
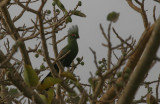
[71, 48]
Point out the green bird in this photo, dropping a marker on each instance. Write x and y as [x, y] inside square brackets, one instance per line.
[71, 48]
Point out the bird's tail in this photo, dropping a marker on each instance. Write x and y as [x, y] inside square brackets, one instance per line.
[50, 74]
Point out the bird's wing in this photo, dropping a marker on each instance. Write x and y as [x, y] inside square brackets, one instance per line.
[64, 52]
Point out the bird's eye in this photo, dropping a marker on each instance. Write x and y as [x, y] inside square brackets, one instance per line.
[73, 35]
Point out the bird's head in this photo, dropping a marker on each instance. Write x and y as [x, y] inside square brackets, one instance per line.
[73, 32]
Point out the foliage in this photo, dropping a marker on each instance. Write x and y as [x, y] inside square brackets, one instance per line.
[113, 16]
[30, 76]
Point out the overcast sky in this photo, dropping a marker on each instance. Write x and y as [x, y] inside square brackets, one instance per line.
[129, 23]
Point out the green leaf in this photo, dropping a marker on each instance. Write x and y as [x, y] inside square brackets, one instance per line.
[90, 80]
[68, 75]
[119, 74]
[150, 99]
[42, 67]
[79, 3]
[68, 19]
[78, 59]
[60, 5]
[78, 13]
[48, 11]
[43, 98]
[82, 63]
[50, 94]
[14, 92]
[77, 84]
[39, 50]
[30, 76]
[48, 82]
[36, 55]
[1, 36]
[113, 16]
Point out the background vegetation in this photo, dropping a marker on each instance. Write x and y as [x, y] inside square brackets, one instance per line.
[118, 76]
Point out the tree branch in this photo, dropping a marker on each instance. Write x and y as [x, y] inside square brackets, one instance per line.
[132, 61]
[142, 67]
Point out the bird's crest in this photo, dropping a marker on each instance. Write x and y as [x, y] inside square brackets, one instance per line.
[73, 30]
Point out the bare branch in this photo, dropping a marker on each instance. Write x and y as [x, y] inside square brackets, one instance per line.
[142, 67]
[154, 16]
[26, 7]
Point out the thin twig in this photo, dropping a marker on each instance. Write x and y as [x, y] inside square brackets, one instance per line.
[154, 14]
